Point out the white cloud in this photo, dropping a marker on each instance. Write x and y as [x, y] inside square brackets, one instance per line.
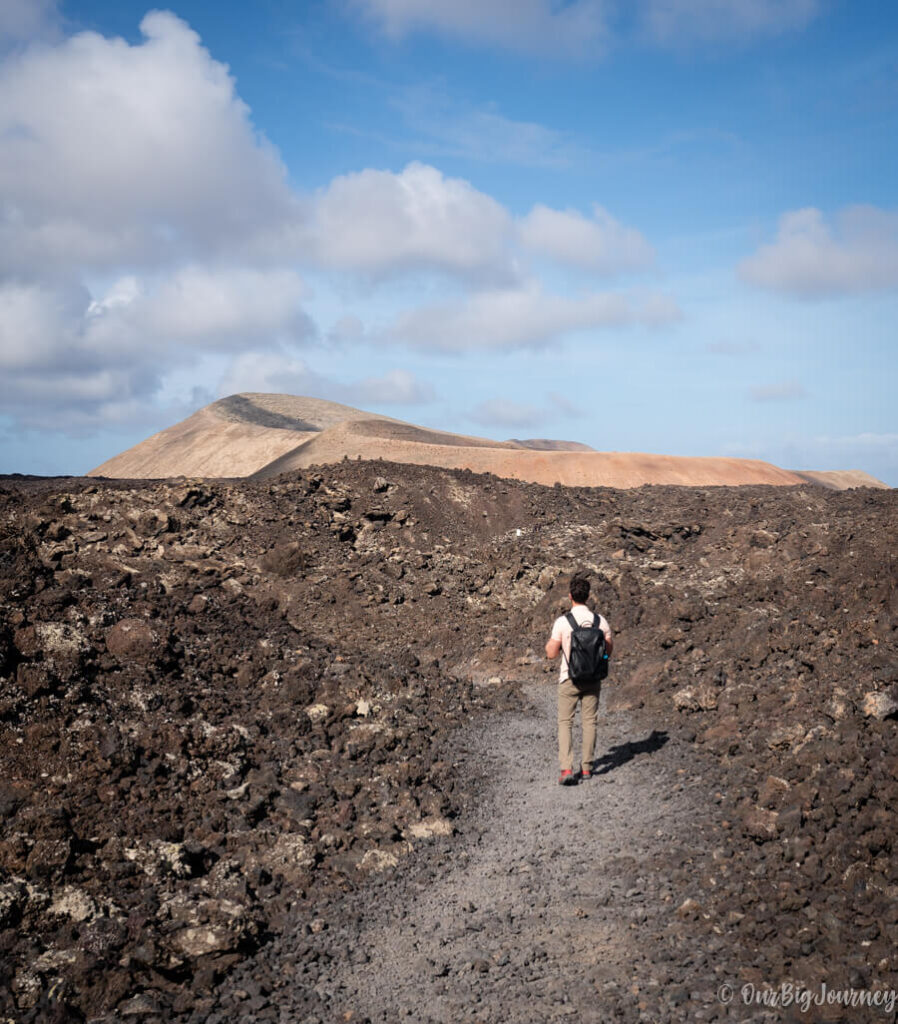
[810, 259]
[483, 134]
[535, 26]
[526, 317]
[377, 222]
[600, 244]
[784, 391]
[52, 375]
[678, 22]
[501, 412]
[273, 371]
[145, 223]
[380, 223]
[586, 27]
[283, 373]
[37, 324]
[59, 346]
[27, 19]
[141, 156]
[346, 330]
[111, 152]
[397, 387]
[211, 308]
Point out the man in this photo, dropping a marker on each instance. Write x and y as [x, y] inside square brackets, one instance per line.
[569, 695]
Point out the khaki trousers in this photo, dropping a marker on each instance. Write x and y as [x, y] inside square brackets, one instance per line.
[568, 698]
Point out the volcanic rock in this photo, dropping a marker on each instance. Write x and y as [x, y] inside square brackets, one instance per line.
[222, 721]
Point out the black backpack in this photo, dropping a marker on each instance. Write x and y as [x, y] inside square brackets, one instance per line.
[588, 662]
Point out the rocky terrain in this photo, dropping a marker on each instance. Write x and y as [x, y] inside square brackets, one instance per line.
[257, 738]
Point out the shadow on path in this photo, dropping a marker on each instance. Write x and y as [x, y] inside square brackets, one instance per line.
[624, 752]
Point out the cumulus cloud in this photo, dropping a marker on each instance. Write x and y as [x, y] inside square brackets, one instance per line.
[783, 391]
[204, 308]
[536, 26]
[377, 222]
[27, 19]
[380, 223]
[145, 223]
[501, 412]
[34, 320]
[52, 375]
[811, 259]
[113, 153]
[143, 157]
[275, 372]
[95, 357]
[678, 22]
[600, 243]
[525, 317]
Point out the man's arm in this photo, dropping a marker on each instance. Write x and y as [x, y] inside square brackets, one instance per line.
[606, 629]
[553, 648]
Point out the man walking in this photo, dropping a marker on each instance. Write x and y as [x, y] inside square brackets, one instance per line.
[584, 693]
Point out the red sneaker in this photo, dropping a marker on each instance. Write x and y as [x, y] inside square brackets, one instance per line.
[586, 773]
[567, 778]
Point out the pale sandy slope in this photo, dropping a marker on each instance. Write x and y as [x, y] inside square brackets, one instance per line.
[378, 440]
[232, 437]
[262, 435]
[841, 479]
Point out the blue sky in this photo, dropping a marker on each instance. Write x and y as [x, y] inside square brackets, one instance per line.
[665, 225]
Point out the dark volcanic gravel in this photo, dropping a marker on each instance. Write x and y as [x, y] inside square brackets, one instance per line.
[268, 751]
[551, 904]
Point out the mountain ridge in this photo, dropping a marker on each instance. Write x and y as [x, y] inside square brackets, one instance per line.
[260, 435]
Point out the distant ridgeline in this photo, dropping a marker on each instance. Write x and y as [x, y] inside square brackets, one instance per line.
[262, 435]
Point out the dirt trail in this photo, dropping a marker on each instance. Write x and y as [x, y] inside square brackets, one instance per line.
[548, 905]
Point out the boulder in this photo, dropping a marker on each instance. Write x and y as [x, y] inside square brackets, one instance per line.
[48, 859]
[696, 698]
[760, 824]
[881, 704]
[135, 640]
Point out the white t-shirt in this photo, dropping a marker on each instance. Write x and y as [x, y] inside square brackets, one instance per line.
[562, 631]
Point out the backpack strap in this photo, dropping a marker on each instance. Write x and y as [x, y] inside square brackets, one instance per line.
[574, 625]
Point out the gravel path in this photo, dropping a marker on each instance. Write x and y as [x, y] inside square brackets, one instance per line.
[543, 908]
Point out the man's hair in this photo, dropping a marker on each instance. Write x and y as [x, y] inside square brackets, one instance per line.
[579, 587]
